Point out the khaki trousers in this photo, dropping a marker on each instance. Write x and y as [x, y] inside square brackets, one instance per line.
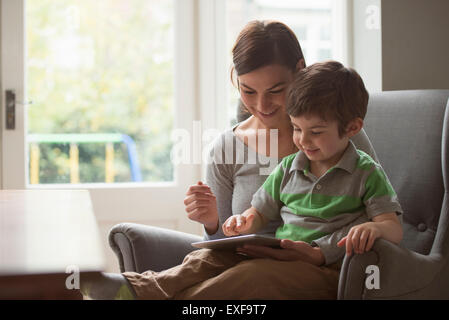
[210, 274]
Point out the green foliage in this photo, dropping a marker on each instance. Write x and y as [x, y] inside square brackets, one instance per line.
[103, 66]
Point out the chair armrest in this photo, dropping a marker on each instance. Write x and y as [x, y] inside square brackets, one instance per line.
[140, 248]
[403, 273]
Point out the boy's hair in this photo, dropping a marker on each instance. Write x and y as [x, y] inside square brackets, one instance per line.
[328, 90]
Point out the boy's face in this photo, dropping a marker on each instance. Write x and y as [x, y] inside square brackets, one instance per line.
[319, 139]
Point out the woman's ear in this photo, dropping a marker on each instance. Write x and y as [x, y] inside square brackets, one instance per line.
[300, 65]
[354, 127]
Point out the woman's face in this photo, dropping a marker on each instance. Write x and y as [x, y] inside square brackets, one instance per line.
[263, 92]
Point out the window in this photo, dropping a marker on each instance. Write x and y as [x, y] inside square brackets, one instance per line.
[149, 202]
[100, 76]
[313, 21]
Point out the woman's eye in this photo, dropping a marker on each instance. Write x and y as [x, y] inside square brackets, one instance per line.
[297, 129]
[248, 92]
[276, 91]
[316, 133]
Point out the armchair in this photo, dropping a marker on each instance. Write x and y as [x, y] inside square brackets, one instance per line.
[410, 133]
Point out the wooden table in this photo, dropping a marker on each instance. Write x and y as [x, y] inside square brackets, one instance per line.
[46, 237]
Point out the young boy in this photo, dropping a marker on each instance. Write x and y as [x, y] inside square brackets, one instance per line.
[329, 194]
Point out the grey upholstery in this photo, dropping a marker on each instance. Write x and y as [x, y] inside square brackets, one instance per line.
[410, 133]
[140, 248]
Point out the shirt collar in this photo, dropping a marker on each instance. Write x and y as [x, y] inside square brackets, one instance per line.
[347, 162]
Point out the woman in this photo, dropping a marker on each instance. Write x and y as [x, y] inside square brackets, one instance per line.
[266, 56]
[262, 83]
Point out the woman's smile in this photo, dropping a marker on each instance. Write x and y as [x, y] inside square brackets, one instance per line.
[267, 114]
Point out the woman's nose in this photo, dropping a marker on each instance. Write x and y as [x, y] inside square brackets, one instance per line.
[263, 103]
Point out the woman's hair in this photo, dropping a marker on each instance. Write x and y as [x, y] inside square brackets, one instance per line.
[263, 43]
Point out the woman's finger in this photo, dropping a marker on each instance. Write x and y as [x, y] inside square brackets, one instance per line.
[198, 189]
[197, 204]
[198, 196]
[196, 214]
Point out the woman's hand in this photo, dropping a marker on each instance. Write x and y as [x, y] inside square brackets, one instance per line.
[291, 251]
[201, 206]
[360, 238]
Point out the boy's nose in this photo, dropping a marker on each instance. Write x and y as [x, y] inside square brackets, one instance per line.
[303, 140]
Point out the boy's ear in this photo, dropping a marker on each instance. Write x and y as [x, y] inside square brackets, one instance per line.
[354, 127]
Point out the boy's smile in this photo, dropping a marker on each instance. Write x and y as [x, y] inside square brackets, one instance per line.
[319, 140]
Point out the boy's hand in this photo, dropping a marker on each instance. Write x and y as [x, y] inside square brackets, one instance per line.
[360, 238]
[238, 224]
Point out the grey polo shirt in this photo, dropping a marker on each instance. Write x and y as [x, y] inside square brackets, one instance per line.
[321, 210]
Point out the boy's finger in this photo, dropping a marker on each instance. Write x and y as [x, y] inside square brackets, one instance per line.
[363, 238]
[248, 221]
[370, 242]
[348, 242]
[240, 222]
[355, 239]
[227, 225]
[342, 242]
[232, 223]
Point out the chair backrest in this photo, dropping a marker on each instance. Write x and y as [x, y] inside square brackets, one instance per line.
[406, 129]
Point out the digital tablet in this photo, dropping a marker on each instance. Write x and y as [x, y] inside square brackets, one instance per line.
[232, 243]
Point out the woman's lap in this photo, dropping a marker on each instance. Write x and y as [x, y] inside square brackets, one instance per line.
[207, 274]
[268, 279]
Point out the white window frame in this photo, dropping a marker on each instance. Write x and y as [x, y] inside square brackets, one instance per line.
[117, 201]
[213, 54]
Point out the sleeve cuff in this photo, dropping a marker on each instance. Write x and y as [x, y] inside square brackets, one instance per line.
[331, 252]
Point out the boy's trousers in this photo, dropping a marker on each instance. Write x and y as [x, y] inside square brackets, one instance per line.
[210, 274]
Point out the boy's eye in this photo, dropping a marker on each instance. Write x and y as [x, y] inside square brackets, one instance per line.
[297, 129]
[316, 133]
[276, 91]
[248, 92]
